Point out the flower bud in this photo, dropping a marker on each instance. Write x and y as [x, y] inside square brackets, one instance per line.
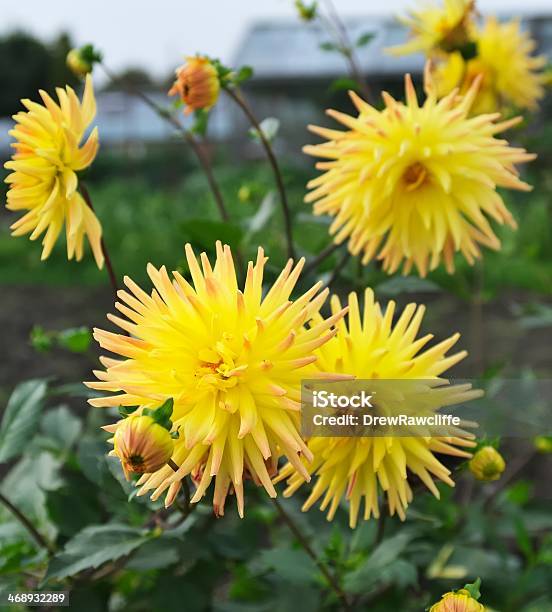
[142, 445]
[543, 444]
[81, 61]
[197, 84]
[306, 12]
[487, 464]
[458, 601]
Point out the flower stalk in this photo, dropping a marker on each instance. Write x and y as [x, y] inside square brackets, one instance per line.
[188, 137]
[108, 263]
[238, 98]
[37, 536]
[332, 580]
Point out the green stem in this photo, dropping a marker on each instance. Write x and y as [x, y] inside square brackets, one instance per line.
[332, 580]
[37, 536]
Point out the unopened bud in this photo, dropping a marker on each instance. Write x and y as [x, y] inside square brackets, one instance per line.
[487, 464]
[197, 84]
[458, 601]
[81, 61]
[142, 445]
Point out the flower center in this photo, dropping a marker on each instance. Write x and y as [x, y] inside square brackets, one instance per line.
[217, 367]
[136, 462]
[414, 176]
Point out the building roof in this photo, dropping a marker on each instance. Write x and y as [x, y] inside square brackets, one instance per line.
[290, 49]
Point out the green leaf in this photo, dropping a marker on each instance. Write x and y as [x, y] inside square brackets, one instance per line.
[295, 566]
[201, 122]
[76, 339]
[473, 589]
[269, 128]
[41, 340]
[94, 546]
[204, 233]
[61, 426]
[343, 84]
[383, 555]
[155, 554]
[125, 411]
[21, 417]
[243, 74]
[161, 415]
[328, 46]
[364, 39]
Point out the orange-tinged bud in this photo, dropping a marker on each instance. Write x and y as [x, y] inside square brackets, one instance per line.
[197, 84]
[459, 601]
[142, 445]
[487, 464]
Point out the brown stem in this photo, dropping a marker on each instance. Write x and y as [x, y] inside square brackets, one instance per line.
[332, 580]
[109, 266]
[314, 263]
[188, 137]
[37, 536]
[240, 101]
[347, 49]
[338, 268]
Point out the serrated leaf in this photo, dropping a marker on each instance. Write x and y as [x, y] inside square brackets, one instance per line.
[21, 417]
[94, 546]
[155, 554]
[383, 555]
[293, 565]
[61, 426]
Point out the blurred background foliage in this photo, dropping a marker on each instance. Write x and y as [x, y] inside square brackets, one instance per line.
[117, 552]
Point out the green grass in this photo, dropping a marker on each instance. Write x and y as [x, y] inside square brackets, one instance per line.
[162, 202]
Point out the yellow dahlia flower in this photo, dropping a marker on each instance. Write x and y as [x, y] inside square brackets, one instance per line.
[357, 468]
[457, 601]
[232, 361]
[197, 84]
[415, 183]
[434, 27]
[511, 77]
[142, 445]
[487, 464]
[48, 154]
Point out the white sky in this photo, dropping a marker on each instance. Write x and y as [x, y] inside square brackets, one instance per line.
[157, 33]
